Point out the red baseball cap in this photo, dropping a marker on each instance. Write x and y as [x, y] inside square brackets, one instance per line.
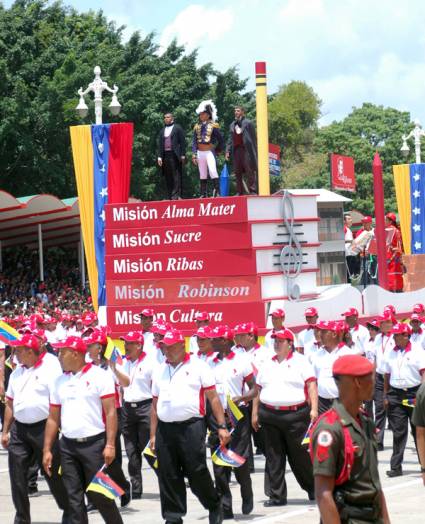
[202, 315]
[311, 312]
[278, 313]
[204, 332]
[26, 341]
[352, 366]
[173, 336]
[351, 312]
[401, 329]
[367, 219]
[160, 327]
[419, 308]
[373, 322]
[133, 336]
[386, 315]
[222, 332]
[88, 318]
[74, 343]
[242, 329]
[342, 326]
[147, 312]
[390, 308]
[416, 316]
[40, 333]
[283, 334]
[391, 216]
[327, 325]
[96, 337]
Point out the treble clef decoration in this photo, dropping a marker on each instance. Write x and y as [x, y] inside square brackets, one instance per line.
[291, 257]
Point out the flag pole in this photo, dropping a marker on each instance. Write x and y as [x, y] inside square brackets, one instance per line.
[378, 189]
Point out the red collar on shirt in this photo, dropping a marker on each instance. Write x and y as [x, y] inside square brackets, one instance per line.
[341, 345]
[355, 328]
[40, 360]
[229, 356]
[86, 368]
[406, 349]
[186, 359]
[288, 356]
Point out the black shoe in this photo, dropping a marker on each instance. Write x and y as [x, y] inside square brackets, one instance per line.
[311, 495]
[394, 473]
[247, 505]
[228, 514]
[380, 446]
[126, 498]
[274, 502]
[33, 491]
[136, 495]
[90, 507]
[216, 515]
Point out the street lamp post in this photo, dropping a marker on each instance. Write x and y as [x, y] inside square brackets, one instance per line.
[417, 133]
[97, 87]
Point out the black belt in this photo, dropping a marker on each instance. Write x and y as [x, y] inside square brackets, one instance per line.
[93, 438]
[33, 424]
[401, 391]
[137, 404]
[183, 422]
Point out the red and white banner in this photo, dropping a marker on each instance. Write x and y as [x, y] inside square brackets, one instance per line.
[181, 264]
[182, 316]
[183, 291]
[171, 213]
[342, 173]
[198, 237]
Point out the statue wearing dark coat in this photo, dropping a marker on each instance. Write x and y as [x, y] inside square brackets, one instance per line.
[242, 146]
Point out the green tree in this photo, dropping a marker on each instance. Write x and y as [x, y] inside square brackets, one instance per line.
[48, 51]
[365, 130]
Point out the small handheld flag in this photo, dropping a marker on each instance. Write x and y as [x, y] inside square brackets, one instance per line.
[226, 457]
[116, 356]
[150, 457]
[409, 402]
[103, 484]
[306, 440]
[7, 333]
[234, 413]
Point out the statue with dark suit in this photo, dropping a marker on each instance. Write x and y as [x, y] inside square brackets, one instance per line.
[172, 155]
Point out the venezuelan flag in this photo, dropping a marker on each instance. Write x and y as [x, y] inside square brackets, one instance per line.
[7, 333]
[226, 457]
[150, 457]
[306, 440]
[233, 412]
[409, 402]
[103, 484]
[409, 182]
[102, 164]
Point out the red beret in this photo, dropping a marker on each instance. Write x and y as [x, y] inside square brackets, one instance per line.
[352, 365]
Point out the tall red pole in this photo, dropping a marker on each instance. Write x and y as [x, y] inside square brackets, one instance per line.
[378, 189]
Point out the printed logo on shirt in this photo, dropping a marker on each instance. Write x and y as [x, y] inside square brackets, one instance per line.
[324, 439]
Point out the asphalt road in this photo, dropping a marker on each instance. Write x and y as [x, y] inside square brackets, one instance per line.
[405, 497]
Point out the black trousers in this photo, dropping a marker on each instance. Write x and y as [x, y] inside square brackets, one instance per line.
[325, 404]
[26, 442]
[240, 444]
[399, 417]
[380, 412]
[284, 432]
[80, 462]
[181, 452]
[136, 432]
[172, 169]
[241, 167]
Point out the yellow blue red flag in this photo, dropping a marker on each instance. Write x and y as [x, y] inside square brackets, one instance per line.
[103, 484]
[226, 457]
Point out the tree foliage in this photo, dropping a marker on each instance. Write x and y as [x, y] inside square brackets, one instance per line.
[47, 51]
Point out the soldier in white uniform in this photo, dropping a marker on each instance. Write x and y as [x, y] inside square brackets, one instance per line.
[404, 371]
[27, 409]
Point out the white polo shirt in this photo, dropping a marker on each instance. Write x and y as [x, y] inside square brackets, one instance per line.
[80, 397]
[284, 383]
[140, 374]
[418, 338]
[405, 366]
[383, 344]
[305, 337]
[181, 390]
[360, 335]
[231, 374]
[311, 350]
[370, 350]
[322, 365]
[29, 389]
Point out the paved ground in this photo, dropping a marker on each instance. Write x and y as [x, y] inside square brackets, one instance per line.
[405, 496]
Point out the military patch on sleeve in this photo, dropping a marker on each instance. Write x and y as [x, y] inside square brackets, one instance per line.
[324, 440]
